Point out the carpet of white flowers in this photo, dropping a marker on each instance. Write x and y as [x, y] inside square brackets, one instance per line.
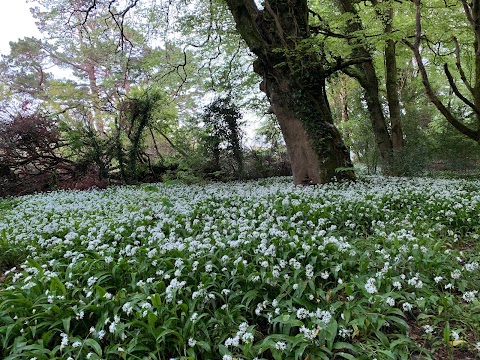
[379, 269]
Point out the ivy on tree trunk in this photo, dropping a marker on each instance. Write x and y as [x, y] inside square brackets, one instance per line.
[294, 73]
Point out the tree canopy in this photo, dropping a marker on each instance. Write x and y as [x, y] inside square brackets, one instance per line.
[350, 83]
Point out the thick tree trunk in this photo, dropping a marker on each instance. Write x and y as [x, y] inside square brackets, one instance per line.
[314, 145]
[295, 85]
[305, 162]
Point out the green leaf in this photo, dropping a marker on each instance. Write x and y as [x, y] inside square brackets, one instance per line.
[339, 345]
[446, 333]
[331, 331]
[205, 346]
[66, 324]
[346, 356]
[287, 319]
[152, 319]
[93, 344]
[383, 339]
[400, 322]
[388, 354]
[56, 284]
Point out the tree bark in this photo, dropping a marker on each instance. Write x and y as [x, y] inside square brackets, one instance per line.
[294, 82]
[392, 87]
[345, 117]
[366, 75]
[313, 160]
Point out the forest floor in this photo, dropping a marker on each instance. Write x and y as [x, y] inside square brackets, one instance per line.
[384, 268]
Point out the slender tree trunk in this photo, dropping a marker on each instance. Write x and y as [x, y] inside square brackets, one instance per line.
[345, 117]
[392, 87]
[369, 82]
[366, 75]
[237, 148]
[94, 91]
[474, 17]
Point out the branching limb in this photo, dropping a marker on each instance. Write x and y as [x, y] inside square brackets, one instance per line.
[274, 16]
[459, 65]
[457, 92]
[415, 47]
[343, 64]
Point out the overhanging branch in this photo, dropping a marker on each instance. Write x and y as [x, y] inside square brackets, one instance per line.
[457, 92]
[415, 47]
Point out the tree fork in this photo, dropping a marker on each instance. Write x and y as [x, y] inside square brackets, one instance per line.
[314, 145]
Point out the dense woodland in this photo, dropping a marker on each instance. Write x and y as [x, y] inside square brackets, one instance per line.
[162, 96]
[143, 91]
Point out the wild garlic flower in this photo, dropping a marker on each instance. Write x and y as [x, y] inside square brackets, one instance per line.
[428, 329]
[469, 296]
[64, 341]
[370, 286]
[390, 301]
[407, 306]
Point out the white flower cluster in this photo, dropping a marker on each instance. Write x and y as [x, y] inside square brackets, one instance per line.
[188, 245]
[370, 286]
[242, 336]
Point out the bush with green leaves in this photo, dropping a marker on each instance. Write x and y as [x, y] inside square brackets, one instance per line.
[381, 268]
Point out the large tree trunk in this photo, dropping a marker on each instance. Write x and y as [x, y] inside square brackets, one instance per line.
[294, 82]
[313, 159]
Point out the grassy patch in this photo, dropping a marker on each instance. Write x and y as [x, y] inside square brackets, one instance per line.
[383, 268]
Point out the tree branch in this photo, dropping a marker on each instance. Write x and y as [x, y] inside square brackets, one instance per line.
[457, 92]
[415, 47]
[468, 13]
[459, 65]
[277, 22]
[343, 64]
[245, 13]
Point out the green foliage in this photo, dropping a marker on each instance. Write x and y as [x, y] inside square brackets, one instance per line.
[223, 137]
[451, 150]
[88, 149]
[9, 255]
[142, 113]
[261, 269]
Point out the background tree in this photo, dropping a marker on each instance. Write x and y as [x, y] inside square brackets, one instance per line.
[222, 121]
[467, 124]
[143, 113]
[30, 158]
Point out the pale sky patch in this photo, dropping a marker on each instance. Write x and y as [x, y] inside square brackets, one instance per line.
[16, 22]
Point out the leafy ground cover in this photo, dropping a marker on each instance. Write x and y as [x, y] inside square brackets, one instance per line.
[379, 269]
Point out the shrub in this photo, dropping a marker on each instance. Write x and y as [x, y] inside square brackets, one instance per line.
[30, 155]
